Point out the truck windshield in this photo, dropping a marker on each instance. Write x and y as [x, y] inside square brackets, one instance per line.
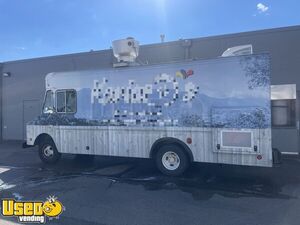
[49, 103]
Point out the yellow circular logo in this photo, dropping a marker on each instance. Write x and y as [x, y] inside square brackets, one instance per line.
[52, 208]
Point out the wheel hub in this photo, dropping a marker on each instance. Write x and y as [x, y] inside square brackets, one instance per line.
[48, 151]
[171, 160]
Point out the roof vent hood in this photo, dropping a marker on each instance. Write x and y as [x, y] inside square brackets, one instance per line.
[126, 50]
[238, 50]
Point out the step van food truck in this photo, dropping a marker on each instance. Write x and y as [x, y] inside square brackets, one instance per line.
[214, 111]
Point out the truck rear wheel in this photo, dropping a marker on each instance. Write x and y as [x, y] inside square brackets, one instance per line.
[171, 160]
[48, 152]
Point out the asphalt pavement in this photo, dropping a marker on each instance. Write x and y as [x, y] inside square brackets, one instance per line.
[117, 191]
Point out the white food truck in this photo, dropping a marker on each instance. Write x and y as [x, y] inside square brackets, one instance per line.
[215, 111]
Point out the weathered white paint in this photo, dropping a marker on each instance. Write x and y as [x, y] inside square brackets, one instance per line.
[137, 142]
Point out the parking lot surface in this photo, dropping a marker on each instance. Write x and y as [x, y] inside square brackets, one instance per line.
[117, 191]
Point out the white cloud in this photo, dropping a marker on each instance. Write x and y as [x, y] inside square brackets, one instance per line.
[261, 8]
[20, 48]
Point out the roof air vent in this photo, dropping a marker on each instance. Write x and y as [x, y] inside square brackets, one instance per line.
[126, 50]
[238, 50]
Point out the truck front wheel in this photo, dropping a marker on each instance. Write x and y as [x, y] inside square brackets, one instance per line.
[48, 152]
[171, 160]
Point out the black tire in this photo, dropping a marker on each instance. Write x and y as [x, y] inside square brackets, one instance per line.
[48, 152]
[171, 160]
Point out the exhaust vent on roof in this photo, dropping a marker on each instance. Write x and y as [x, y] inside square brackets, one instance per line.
[126, 50]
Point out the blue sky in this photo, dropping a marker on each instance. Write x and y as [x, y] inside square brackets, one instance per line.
[35, 28]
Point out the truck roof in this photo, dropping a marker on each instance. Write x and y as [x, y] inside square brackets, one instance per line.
[76, 79]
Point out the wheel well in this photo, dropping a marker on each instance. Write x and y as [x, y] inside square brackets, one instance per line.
[41, 138]
[160, 142]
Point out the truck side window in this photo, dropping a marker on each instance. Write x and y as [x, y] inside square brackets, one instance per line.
[66, 101]
[49, 103]
[61, 101]
[71, 101]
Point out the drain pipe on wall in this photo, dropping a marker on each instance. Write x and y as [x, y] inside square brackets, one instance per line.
[186, 44]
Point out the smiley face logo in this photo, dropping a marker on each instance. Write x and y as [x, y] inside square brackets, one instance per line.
[52, 207]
